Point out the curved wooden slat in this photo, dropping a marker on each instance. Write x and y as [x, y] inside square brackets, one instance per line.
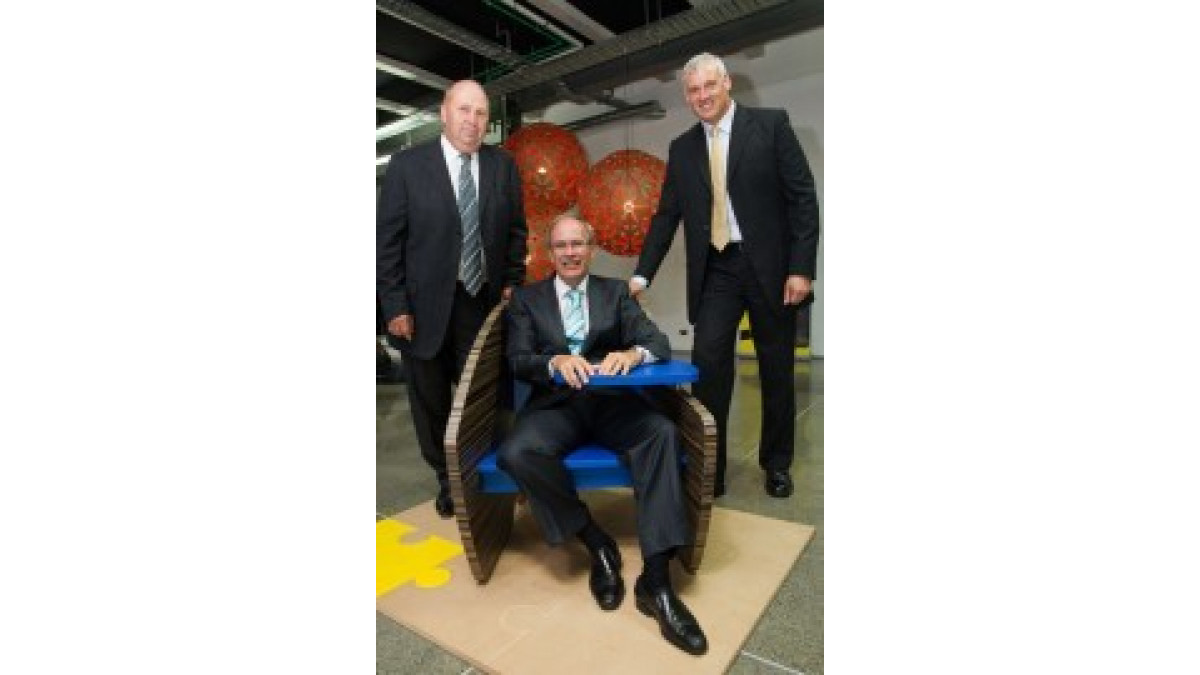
[484, 520]
[698, 431]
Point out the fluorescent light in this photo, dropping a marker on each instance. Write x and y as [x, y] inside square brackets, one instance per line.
[407, 124]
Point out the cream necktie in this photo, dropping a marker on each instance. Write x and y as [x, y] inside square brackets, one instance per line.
[716, 166]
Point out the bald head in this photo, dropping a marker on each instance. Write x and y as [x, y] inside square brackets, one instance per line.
[465, 115]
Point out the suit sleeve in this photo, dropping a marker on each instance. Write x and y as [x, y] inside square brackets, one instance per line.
[637, 328]
[391, 232]
[663, 224]
[518, 231]
[800, 195]
[523, 358]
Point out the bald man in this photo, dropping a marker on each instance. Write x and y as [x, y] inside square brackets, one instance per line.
[449, 244]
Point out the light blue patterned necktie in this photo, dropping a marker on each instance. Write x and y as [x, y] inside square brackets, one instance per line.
[574, 320]
[471, 269]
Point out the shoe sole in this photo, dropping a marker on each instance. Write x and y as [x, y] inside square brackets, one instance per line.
[644, 608]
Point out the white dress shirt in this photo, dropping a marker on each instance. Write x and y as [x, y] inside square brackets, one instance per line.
[454, 165]
[564, 305]
[725, 130]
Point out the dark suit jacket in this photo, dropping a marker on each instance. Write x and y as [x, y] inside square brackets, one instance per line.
[771, 188]
[419, 237]
[536, 334]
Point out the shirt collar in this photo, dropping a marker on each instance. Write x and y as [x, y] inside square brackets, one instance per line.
[561, 287]
[725, 123]
[453, 156]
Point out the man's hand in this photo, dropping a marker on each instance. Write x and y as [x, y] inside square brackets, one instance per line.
[635, 288]
[619, 363]
[795, 289]
[402, 326]
[574, 369]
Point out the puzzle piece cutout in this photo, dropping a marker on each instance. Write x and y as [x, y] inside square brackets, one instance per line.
[397, 563]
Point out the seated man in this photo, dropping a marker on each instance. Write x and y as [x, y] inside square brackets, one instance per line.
[564, 324]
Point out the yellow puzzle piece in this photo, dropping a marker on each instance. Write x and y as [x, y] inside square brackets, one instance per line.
[397, 564]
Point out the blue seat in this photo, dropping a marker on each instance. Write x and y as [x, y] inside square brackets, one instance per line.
[592, 466]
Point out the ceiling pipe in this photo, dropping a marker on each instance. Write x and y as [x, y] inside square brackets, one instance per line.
[719, 26]
[638, 39]
[755, 29]
[574, 18]
[649, 110]
[411, 12]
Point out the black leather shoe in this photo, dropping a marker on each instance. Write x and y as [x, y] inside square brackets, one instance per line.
[779, 483]
[675, 622]
[605, 581]
[443, 503]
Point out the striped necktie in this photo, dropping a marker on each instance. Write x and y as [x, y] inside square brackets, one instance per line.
[574, 322]
[471, 267]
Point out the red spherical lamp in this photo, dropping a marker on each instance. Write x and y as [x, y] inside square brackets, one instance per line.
[538, 263]
[551, 162]
[618, 197]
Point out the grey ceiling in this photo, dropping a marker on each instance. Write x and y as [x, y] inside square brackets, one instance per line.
[531, 53]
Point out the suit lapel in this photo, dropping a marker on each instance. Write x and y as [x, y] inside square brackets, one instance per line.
[596, 304]
[741, 133]
[557, 330]
[699, 149]
[442, 184]
[488, 166]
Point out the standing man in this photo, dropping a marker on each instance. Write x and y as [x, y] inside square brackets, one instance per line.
[742, 186]
[578, 325]
[449, 243]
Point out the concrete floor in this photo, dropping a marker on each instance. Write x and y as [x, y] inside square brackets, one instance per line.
[788, 638]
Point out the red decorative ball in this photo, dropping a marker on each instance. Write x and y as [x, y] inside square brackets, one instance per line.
[551, 162]
[618, 197]
[538, 263]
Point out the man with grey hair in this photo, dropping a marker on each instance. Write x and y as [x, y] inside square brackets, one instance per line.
[578, 324]
[740, 182]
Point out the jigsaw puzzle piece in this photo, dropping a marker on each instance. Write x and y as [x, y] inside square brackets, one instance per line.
[398, 563]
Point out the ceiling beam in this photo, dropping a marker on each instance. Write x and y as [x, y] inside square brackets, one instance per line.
[720, 27]
[573, 18]
[410, 72]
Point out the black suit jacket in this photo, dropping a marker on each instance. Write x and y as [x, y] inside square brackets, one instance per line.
[536, 333]
[419, 237]
[772, 191]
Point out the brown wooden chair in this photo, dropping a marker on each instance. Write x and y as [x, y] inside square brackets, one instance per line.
[479, 418]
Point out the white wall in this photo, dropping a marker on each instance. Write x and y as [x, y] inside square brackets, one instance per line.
[786, 73]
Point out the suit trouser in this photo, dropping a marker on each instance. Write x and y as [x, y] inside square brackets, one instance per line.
[730, 289]
[431, 381]
[649, 445]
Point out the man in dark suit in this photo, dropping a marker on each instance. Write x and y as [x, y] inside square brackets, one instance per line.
[579, 325]
[450, 242]
[750, 218]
